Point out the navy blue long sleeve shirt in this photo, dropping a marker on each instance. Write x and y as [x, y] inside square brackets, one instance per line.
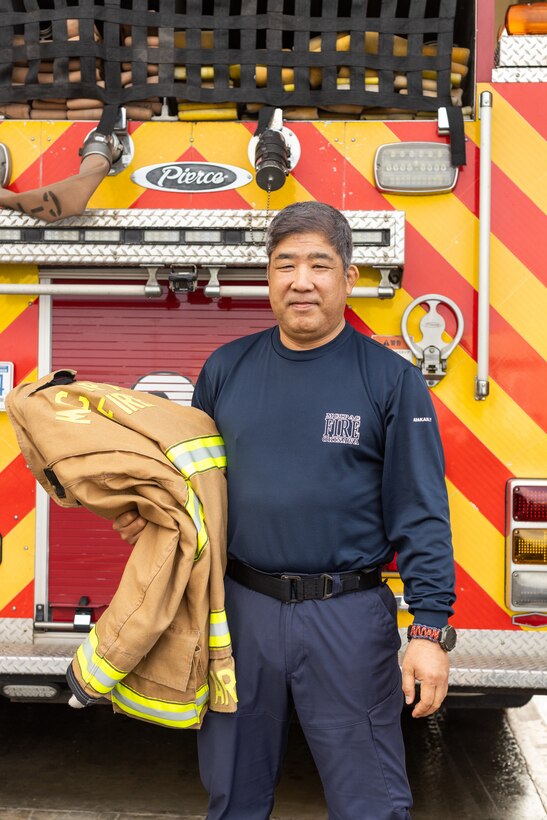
[334, 462]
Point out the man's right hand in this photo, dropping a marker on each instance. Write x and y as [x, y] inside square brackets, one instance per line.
[129, 525]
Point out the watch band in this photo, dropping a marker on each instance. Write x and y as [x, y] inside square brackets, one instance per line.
[445, 636]
[430, 633]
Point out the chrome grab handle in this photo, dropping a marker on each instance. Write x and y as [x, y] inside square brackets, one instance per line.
[431, 352]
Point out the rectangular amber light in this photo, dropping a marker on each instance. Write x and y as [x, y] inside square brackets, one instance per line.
[530, 546]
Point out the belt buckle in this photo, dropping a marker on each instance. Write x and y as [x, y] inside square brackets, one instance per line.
[298, 597]
[326, 578]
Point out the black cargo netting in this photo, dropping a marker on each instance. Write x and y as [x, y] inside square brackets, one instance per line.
[233, 56]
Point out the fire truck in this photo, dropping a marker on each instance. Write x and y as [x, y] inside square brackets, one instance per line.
[444, 187]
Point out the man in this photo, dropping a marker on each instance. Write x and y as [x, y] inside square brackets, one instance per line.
[334, 463]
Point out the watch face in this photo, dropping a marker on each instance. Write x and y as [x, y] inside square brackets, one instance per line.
[448, 638]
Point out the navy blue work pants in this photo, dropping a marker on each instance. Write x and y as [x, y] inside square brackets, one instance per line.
[336, 660]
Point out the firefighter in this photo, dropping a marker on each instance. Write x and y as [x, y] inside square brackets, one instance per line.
[334, 463]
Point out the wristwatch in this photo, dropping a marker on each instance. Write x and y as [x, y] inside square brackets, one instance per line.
[445, 636]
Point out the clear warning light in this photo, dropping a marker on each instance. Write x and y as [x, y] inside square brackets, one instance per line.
[530, 590]
[414, 168]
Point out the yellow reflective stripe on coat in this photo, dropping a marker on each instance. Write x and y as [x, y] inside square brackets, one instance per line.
[219, 634]
[164, 712]
[194, 508]
[198, 455]
[97, 671]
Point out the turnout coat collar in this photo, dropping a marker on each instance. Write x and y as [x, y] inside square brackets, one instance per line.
[161, 651]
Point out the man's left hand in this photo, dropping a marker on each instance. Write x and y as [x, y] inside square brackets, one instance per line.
[425, 661]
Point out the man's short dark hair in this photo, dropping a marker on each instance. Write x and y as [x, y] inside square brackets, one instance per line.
[312, 217]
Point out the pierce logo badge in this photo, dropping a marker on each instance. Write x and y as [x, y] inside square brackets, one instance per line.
[191, 177]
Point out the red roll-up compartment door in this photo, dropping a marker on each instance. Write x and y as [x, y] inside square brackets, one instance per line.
[153, 344]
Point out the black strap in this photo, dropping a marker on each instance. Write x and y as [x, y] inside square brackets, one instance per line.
[457, 137]
[61, 377]
[292, 588]
[108, 120]
[264, 117]
[55, 483]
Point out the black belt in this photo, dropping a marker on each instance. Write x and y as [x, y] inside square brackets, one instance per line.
[292, 589]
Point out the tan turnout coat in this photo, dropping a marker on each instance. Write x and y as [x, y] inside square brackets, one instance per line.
[161, 651]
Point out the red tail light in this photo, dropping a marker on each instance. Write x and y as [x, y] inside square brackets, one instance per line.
[529, 503]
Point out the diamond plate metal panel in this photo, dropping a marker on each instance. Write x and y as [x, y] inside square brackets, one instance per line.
[154, 254]
[485, 658]
[157, 218]
[482, 658]
[16, 630]
[48, 658]
[519, 75]
[521, 50]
